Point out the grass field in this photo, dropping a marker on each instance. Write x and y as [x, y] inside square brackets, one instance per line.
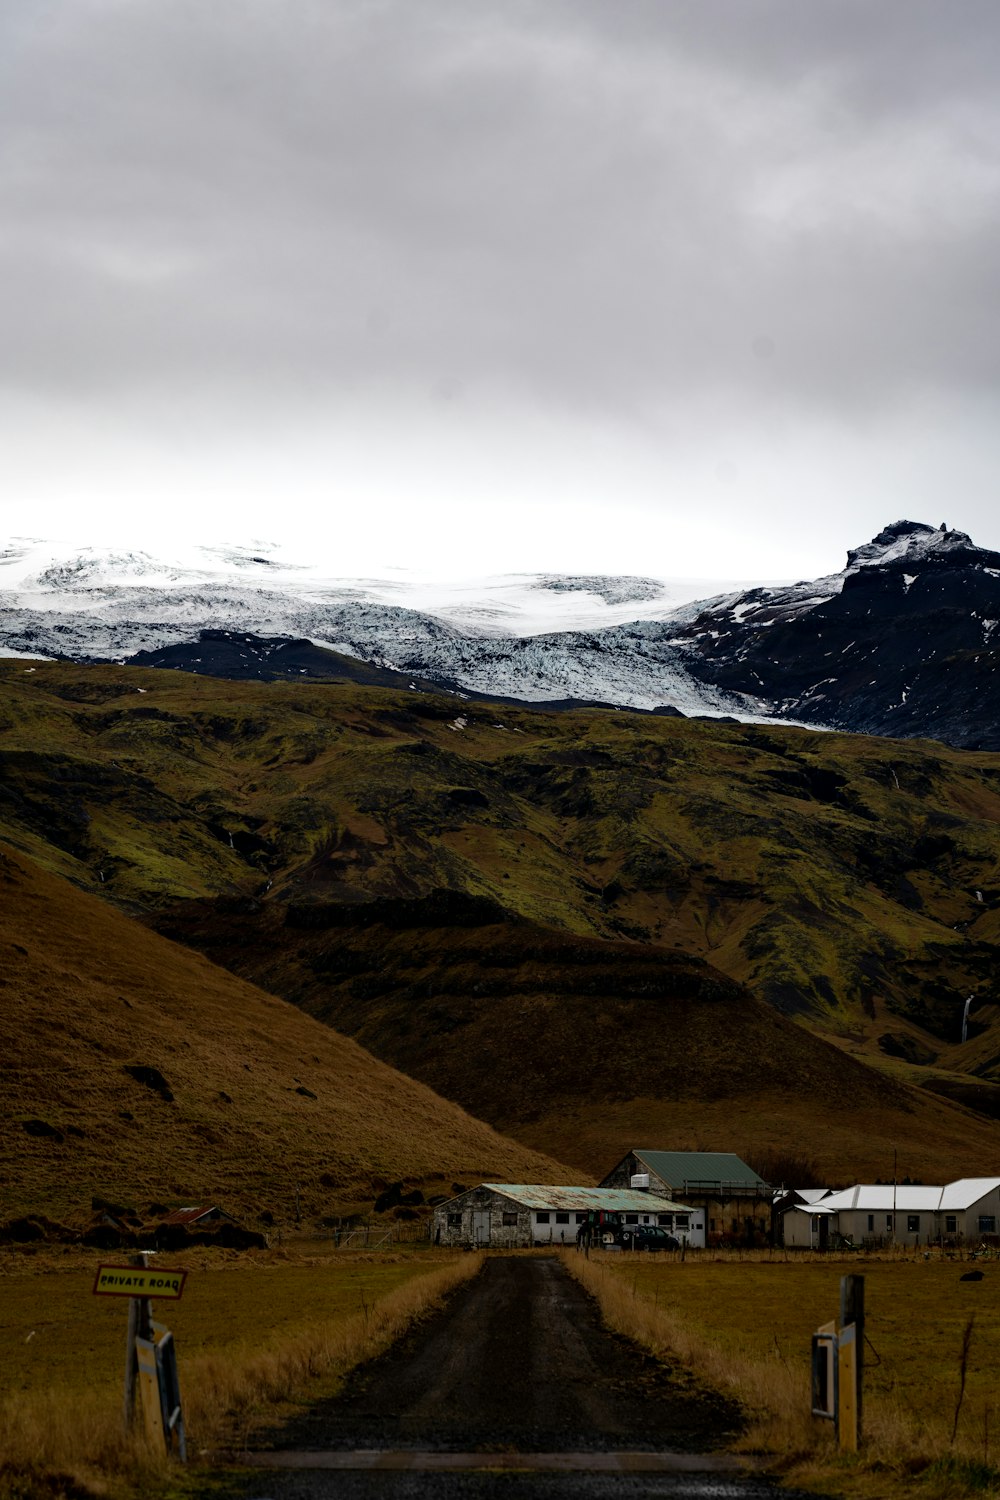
[55, 1332]
[745, 1325]
[254, 1334]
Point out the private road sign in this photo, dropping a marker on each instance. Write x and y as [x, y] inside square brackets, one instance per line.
[138, 1281]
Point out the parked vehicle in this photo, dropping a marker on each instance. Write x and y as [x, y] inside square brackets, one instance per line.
[602, 1227]
[648, 1237]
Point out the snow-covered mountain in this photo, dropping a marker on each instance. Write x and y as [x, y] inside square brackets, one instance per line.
[531, 636]
[260, 579]
[899, 642]
[903, 642]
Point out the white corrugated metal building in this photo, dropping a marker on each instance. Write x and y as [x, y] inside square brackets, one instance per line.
[804, 1220]
[508, 1215]
[897, 1213]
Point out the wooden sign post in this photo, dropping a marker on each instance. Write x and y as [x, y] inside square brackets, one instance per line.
[852, 1315]
[847, 1389]
[150, 1355]
[838, 1365]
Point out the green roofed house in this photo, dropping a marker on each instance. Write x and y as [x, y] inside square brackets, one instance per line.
[735, 1201]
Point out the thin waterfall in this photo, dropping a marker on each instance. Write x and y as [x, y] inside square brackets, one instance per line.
[965, 1019]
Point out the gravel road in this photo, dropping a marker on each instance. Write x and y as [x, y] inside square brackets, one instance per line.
[512, 1391]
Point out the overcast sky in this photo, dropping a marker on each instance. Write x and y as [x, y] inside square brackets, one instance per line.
[681, 287]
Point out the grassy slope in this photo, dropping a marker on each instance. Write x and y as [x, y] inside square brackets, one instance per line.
[87, 992]
[585, 1047]
[836, 875]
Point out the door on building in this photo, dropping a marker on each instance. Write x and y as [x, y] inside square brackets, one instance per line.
[480, 1227]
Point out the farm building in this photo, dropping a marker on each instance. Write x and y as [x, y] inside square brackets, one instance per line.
[513, 1215]
[802, 1221]
[901, 1213]
[970, 1208]
[191, 1218]
[734, 1201]
[908, 1214]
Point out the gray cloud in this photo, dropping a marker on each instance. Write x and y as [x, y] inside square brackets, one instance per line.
[694, 216]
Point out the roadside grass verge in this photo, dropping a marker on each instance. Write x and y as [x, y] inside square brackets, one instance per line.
[743, 1327]
[273, 1344]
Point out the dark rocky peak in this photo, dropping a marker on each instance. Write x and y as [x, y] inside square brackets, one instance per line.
[912, 545]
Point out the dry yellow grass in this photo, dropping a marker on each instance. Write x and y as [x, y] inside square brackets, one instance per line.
[743, 1325]
[251, 1336]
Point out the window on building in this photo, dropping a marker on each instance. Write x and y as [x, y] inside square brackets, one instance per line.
[581, 1218]
[562, 1218]
[510, 1221]
[541, 1218]
[871, 1223]
[454, 1221]
[631, 1218]
[666, 1220]
[950, 1224]
[888, 1222]
[913, 1223]
[987, 1224]
[645, 1218]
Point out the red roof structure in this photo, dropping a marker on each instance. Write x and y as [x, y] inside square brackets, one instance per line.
[196, 1215]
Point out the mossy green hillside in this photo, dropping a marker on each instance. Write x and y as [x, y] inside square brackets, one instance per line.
[852, 882]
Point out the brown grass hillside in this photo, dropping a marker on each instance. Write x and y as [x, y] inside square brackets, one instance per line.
[303, 834]
[263, 1097]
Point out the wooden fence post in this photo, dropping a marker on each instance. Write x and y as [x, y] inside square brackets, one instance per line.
[140, 1320]
[852, 1311]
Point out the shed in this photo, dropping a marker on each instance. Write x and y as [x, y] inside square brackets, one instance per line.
[509, 1215]
[735, 1201]
[802, 1221]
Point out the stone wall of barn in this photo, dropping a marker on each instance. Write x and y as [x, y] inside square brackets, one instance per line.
[621, 1176]
[483, 1217]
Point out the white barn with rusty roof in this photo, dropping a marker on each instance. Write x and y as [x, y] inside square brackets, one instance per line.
[508, 1215]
